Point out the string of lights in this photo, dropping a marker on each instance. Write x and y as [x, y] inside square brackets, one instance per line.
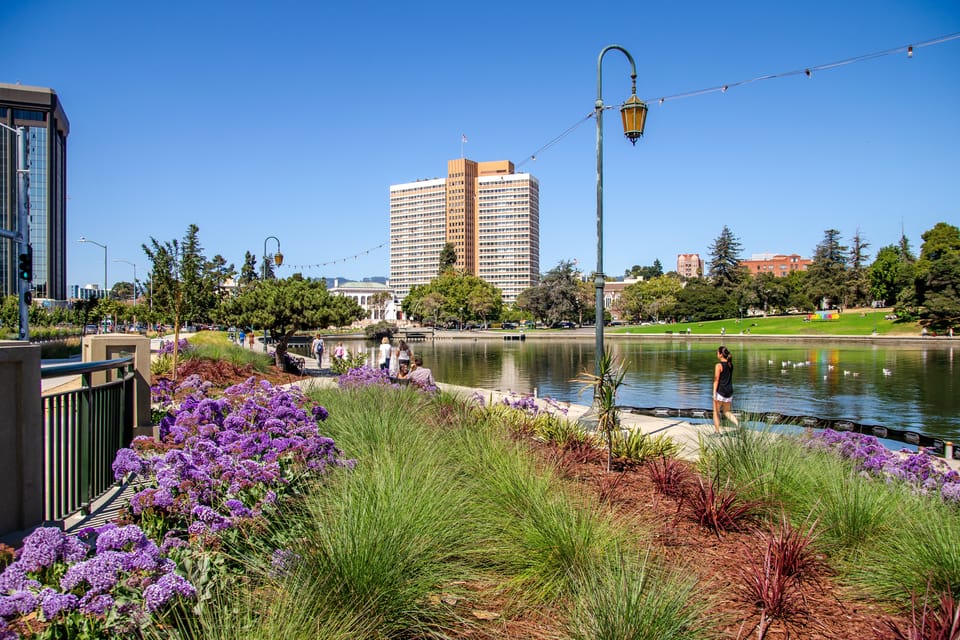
[723, 88]
[330, 262]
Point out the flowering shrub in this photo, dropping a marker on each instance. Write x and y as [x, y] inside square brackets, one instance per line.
[232, 457]
[166, 346]
[111, 584]
[528, 404]
[222, 462]
[360, 377]
[925, 472]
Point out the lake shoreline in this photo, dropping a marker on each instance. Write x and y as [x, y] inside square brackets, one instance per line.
[589, 333]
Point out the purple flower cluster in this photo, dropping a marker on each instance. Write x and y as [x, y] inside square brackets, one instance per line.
[60, 578]
[529, 404]
[360, 377]
[925, 472]
[227, 457]
[166, 348]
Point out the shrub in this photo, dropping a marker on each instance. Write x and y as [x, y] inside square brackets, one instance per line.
[345, 364]
[720, 508]
[788, 562]
[670, 476]
[636, 446]
[920, 470]
[940, 621]
[161, 365]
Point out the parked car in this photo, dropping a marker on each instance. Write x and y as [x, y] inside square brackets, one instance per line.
[508, 325]
[563, 324]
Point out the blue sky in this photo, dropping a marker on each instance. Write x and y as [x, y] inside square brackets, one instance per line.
[291, 119]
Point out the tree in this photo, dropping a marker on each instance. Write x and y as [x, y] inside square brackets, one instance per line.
[198, 290]
[557, 297]
[700, 300]
[938, 277]
[248, 272]
[448, 258]
[483, 302]
[725, 269]
[827, 274]
[890, 274]
[217, 272]
[652, 299]
[285, 306]
[379, 302]
[645, 273]
[858, 280]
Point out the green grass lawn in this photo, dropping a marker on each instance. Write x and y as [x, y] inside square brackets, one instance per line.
[852, 323]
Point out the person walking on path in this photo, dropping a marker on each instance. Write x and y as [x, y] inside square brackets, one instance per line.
[723, 388]
[243, 337]
[317, 348]
[250, 338]
[385, 349]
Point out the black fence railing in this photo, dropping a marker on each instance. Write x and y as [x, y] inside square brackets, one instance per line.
[84, 427]
[933, 445]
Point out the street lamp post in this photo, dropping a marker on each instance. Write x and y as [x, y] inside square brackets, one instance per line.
[104, 247]
[634, 113]
[22, 235]
[278, 259]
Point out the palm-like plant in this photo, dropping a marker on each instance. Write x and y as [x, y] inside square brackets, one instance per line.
[605, 384]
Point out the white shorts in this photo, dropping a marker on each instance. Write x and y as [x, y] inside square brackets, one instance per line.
[720, 398]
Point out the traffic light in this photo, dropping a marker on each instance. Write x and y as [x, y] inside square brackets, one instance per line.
[25, 267]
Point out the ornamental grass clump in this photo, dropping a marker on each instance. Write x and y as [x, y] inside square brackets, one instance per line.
[223, 461]
[114, 582]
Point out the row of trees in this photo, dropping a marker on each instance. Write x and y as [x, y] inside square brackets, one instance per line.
[925, 288]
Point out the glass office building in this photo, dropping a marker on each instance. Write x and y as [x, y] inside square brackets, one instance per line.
[46, 128]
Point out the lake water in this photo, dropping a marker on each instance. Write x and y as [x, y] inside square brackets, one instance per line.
[919, 392]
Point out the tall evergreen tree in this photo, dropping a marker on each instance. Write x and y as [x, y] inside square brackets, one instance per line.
[827, 275]
[725, 266]
[858, 280]
[248, 272]
[448, 258]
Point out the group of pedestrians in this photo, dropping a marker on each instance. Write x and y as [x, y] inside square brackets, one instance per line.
[318, 346]
[400, 362]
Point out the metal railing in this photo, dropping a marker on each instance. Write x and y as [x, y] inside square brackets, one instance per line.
[84, 427]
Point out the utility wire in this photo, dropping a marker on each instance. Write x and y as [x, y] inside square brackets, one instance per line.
[723, 88]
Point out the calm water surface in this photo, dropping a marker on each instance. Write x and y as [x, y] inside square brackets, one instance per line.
[920, 392]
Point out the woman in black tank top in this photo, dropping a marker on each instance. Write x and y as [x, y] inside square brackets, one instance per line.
[723, 388]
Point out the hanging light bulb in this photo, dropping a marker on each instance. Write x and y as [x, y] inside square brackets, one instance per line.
[723, 89]
[910, 51]
[807, 72]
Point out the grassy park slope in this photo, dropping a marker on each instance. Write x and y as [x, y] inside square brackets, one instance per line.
[853, 322]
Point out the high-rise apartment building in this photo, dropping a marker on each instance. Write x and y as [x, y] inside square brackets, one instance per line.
[489, 214]
[45, 126]
[690, 265]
